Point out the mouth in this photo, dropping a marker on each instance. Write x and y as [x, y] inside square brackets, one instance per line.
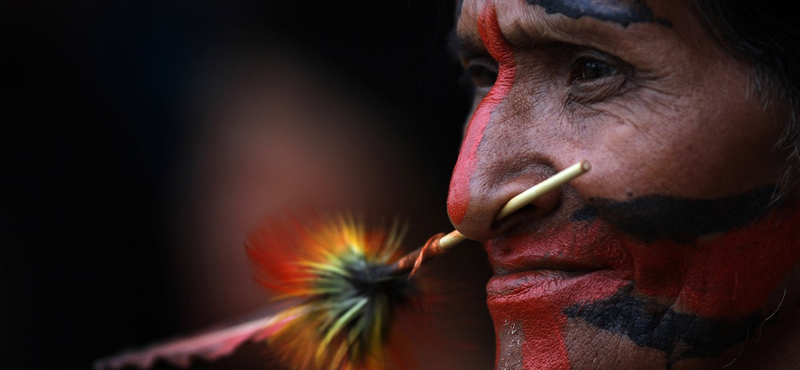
[538, 265]
[509, 265]
[541, 282]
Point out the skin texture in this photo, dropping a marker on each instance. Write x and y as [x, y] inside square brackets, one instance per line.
[672, 252]
[622, 12]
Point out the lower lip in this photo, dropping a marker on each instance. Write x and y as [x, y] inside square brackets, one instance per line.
[565, 288]
[527, 311]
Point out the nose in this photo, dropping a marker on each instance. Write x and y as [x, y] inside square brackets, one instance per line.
[497, 161]
[502, 155]
[484, 181]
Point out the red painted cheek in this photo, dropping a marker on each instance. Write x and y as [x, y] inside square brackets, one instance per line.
[492, 37]
[728, 276]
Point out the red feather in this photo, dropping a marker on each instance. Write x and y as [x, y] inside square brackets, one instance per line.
[210, 344]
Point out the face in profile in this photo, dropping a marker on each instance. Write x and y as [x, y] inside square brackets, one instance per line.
[676, 249]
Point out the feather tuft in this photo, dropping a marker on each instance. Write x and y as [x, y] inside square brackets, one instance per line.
[341, 272]
[338, 299]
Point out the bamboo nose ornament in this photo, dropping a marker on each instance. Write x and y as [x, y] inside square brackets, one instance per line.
[441, 243]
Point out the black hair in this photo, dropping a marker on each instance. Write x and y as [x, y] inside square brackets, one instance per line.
[765, 34]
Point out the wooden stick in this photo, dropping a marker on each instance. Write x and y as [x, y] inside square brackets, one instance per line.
[544, 187]
[440, 243]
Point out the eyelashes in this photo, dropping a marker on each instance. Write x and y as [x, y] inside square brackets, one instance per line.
[596, 76]
[480, 75]
[588, 69]
[590, 75]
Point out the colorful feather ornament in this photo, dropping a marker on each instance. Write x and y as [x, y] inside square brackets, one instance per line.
[341, 297]
[349, 295]
[211, 344]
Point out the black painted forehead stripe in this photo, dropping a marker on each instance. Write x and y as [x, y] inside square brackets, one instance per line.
[618, 11]
[622, 12]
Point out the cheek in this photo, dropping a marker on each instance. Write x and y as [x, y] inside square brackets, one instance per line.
[727, 276]
[705, 142]
[681, 299]
[713, 258]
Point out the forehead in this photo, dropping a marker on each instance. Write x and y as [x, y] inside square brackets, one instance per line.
[623, 12]
[583, 21]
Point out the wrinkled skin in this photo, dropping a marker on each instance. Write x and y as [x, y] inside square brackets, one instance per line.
[671, 252]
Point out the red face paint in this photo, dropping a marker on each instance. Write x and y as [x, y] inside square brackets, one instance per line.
[489, 28]
[725, 277]
[535, 293]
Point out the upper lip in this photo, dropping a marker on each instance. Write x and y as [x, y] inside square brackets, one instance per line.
[509, 255]
[556, 265]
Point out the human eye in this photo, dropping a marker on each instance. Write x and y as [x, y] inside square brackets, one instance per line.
[595, 76]
[481, 74]
[587, 69]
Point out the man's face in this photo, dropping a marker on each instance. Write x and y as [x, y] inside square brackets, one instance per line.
[670, 251]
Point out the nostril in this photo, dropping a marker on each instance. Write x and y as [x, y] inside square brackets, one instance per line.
[494, 211]
[527, 211]
[539, 209]
[484, 220]
[527, 208]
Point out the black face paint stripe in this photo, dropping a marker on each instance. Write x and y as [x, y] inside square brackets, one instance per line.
[658, 217]
[617, 11]
[652, 325]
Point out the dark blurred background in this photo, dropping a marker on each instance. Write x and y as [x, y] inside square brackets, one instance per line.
[140, 140]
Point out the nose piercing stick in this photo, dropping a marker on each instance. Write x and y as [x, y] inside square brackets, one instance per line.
[440, 243]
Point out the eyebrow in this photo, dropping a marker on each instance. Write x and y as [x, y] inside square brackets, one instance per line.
[461, 48]
[468, 45]
[618, 11]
